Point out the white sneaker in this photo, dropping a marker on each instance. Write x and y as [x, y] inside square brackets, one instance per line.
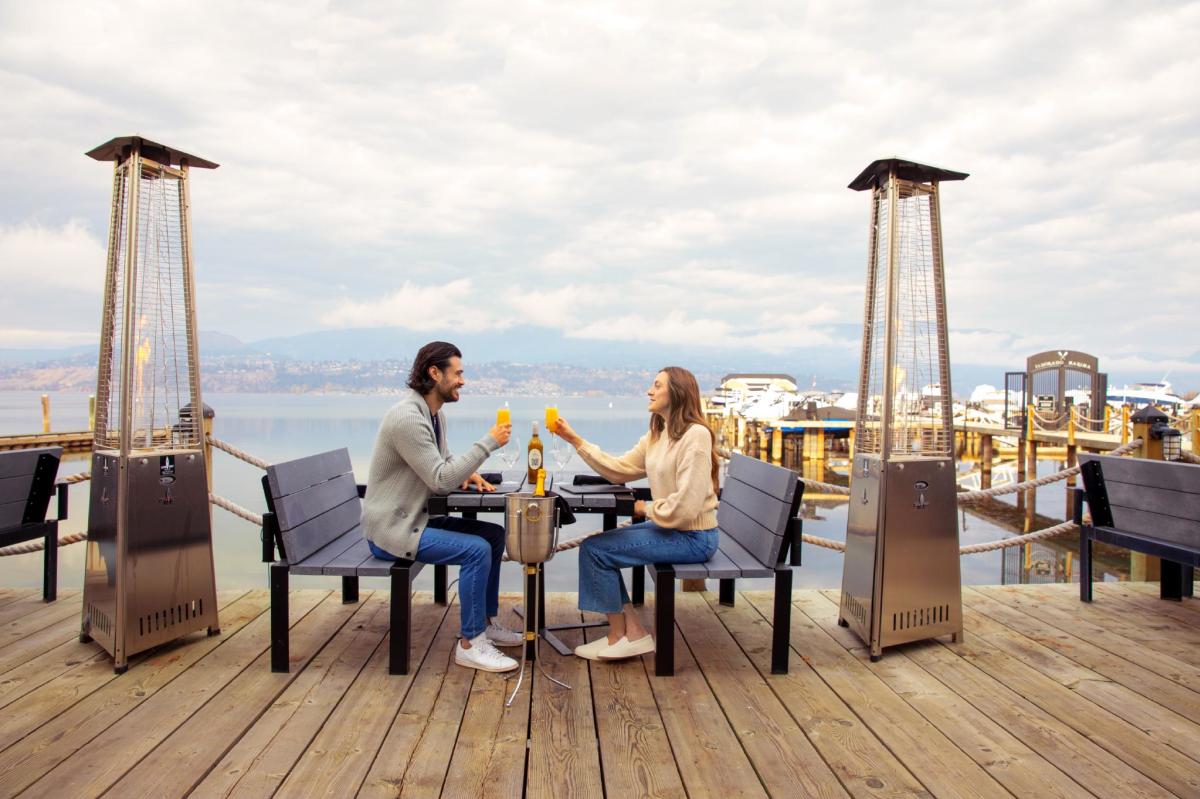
[502, 636]
[483, 656]
[627, 649]
[592, 649]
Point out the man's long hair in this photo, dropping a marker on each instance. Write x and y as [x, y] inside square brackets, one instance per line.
[683, 410]
[435, 353]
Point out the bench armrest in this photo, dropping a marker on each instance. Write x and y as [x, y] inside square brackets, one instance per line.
[60, 488]
[1077, 506]
[642, 492]
[270, 533]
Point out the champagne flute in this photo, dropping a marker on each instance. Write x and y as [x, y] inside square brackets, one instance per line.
[551, 423]
[510, 452]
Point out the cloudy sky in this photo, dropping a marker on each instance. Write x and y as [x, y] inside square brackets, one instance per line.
[668, 173]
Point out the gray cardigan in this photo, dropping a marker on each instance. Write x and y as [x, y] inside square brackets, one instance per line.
[407, 466]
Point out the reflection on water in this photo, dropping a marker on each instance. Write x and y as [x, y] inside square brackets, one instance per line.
[281, 427]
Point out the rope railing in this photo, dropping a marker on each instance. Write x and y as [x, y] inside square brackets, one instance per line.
[832, 488]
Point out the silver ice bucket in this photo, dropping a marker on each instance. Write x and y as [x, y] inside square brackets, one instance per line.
[530, 527]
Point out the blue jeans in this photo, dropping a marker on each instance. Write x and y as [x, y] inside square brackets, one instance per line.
[602, 557]
[477, 554]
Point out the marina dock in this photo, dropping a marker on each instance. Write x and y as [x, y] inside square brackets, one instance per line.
[1044, 697]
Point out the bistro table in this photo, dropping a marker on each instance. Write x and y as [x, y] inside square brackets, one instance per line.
[612, 505]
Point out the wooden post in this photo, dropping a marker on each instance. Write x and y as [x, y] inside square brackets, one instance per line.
[1072, 459]
[1031, 471]
[1021, 447]
[985, 461]
[777, 445]
[764, 443]
[820, 443]
[741, 435]
[1070, 438]
[45, 413]
[92, 412]
[1124, 424]
[1107, 418]
[850, 447]
[1196, 431]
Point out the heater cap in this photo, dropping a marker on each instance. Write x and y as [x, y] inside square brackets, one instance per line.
[905, 170]
[118, 150]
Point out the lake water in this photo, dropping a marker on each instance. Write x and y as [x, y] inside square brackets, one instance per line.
[282, 427]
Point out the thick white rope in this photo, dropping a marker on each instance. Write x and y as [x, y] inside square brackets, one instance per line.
[237, 453]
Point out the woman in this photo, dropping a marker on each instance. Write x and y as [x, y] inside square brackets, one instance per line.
[678, 456]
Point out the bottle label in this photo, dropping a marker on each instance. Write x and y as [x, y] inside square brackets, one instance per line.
[535, 459]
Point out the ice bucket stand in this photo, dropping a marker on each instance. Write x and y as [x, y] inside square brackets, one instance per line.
[530, 540]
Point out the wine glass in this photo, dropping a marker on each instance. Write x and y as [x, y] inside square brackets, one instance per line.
[510, 453]
[561, 453]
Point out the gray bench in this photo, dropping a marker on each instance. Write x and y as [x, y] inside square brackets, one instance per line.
[26, 485]
[314, 514]
[1146, 506]
[760, 537]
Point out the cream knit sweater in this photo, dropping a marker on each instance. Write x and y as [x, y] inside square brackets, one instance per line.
[680, 475]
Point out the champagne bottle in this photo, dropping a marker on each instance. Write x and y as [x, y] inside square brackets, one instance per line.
[540, 491]
[534, 455]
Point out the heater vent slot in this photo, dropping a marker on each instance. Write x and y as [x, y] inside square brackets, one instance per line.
[170, 616]
[98, 620]
[856, 609]
[920, 617]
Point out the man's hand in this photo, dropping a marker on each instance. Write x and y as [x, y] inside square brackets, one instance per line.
[501, 432]
[476, 480]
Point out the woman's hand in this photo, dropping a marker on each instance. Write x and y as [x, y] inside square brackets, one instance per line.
[501, 432]
[567, 433]
[639, 509]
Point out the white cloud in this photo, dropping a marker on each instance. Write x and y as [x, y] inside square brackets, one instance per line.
[569, 165]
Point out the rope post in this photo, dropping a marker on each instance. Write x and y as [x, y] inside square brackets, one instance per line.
[1031, 469]
[1071, 423]
[92, 412]
[1196, 431]
[821, 443]
[1107, 417]
[985, 461]
[45, 413]
[1072, 459]
[777, 445]
[1124, 424]
[851, 445]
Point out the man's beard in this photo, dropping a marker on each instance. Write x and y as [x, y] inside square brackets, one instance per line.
[448, 393]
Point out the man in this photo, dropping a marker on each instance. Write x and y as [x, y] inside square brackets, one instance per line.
[411, 461]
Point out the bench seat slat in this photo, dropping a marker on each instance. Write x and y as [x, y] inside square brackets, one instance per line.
[745, 560]
[774, 480]
[1152, 499]
[1169, 529]
[347, 563]
[1188, 555]
[295, 509]
[24, 461]
[301, 542]
[770, 512]
[296, 475]
[763, 543]
[721, 566]
[1171, 475]
[323, 556]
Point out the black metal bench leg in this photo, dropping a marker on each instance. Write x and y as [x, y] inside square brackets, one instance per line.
[664, 620]
[1085, 566]
[50, 565]
[439, 584]
[1189, 581]
[279, 617]
[639, 586]
[1170, 584]
[349, 590]
[782, 621]
[401, 620]
[726, 591]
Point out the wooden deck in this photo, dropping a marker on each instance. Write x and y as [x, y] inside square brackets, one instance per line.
[1046, 697]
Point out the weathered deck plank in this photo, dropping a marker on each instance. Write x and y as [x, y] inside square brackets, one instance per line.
[1044, 698]
[1016, 766]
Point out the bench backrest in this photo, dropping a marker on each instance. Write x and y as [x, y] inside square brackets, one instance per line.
[26, 483]
[1155, 499]
[758, 501]
[314, 499]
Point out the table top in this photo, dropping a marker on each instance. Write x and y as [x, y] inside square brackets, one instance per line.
[617, 502]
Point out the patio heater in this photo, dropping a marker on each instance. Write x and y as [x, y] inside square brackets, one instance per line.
[900, 578]
[148, 573]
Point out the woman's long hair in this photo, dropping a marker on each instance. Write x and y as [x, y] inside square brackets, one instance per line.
[683, 410]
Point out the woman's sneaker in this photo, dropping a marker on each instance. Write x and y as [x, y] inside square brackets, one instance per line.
[592, 649]
[502, 636]
[483, 656]
[627, 649]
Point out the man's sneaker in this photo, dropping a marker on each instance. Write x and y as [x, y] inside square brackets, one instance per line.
[502, 636]
[483, 656]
